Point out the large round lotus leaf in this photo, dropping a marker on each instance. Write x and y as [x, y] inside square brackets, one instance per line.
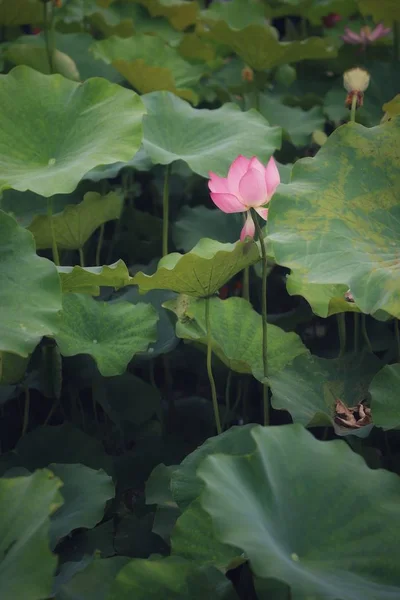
[309, 513]
[180, 13]
[26, 564]
[325, 299]
[207, 140]
[76, 223]
[236, 333]
[93, 582]
[310, 387]
[201, 272]
[111, 332]
[385, 10]
[149, 64]
[185, 485]
[193, 538]
[259, 47]
[170, 578]
[298, 124]
[89, 279]
[85, 493]
[30, 291]
[392, 108]
[385, 398]
[347, 202]
[54, 130]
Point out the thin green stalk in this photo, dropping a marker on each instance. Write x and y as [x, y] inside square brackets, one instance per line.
[397, 333]
[27, 401]
[264, 315]
[356, 331]
[81, 257]
[353, 108]
[209, 369]
[56, 257]
[227, 397]
[99, 245]
[365, 332]
[165, 211]
[396, 41]
[47, 30]
[341, 323]
[246, 284]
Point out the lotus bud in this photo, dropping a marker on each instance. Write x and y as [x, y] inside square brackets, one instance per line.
[355, 81]
[247, 74]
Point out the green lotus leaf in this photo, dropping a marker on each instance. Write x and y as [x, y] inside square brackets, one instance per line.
[170, 578]
[193, 538]
[37, 58]
[185, 485]
[21, 12]
[26, 564]
[30, 293]
[285, 505]
[392, 108]
[206, 140]
[25, 206]
[180, 13]
[88, 280]
[149, 64]
[236, 335]
[194, 223]
[259, 47]
[385, 10]
[309, 388]
[201, 272]
[50, 134]
[346, 199]
[76, 223]
[384, 397]
[236, 14]
[298, 124]
[85, 493]
[324, 299]
[111, 332]
[93, 582]
[193, 48]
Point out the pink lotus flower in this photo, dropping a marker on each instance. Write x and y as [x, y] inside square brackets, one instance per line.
[248, 185]
[366, 35]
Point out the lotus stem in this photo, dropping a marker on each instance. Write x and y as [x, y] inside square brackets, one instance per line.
[264, 316]
[56, 257]
[81, 257]
[353, 108]
[365, 332]
[209, 369]
[99, 245]
[48, 34]
[165, 211]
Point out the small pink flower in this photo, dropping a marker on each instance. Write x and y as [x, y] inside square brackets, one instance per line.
[366, 35]
[248, 185]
